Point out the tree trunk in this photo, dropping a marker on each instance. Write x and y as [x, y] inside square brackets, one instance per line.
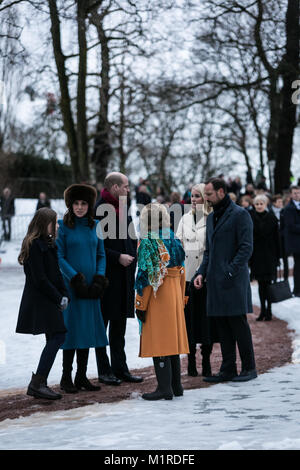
[81, 92]
[287, 118]
[102, 146]
[65, 101]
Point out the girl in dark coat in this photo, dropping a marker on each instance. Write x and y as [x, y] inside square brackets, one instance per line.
[266, 252]
[44, 296]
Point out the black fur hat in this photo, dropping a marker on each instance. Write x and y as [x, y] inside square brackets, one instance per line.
[80, 192]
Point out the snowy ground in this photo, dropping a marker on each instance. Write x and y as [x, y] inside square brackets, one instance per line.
[261, 414]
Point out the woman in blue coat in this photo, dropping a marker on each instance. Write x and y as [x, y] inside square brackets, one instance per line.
[82, 262]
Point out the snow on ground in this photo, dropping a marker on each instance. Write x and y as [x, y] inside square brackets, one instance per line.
[261, 414]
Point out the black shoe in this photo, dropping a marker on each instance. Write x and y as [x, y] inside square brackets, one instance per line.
[245, 375]
[127, 377]
[38, 389]
[157, 395]
[220, 377]
[109, 379]
[260, 318]
[67, 385]
[82, 382]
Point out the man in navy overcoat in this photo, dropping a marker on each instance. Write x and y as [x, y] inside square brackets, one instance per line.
[229, 245]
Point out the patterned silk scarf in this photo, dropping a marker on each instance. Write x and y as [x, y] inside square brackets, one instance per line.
[153, 257]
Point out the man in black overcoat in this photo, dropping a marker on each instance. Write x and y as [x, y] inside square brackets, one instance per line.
[291, 229]
[118, 303]
[229, 245]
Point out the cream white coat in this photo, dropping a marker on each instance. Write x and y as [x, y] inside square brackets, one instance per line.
[193, 238]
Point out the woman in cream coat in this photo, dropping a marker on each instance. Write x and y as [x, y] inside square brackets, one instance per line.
[201, 329]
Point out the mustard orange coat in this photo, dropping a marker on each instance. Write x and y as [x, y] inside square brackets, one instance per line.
[164, 331]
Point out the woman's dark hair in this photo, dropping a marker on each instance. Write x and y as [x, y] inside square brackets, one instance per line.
[69, 217]
[217, 183]
[38, 228]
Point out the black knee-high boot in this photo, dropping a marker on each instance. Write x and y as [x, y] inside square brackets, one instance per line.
[206, 350]
[192, 369]
[66, 382]
[81, 380]
[176, 376]
[163, 372]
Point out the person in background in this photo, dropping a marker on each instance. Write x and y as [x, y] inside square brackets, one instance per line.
[143, 197]
[176, 210]
[187, 194]
[246, 202]
[291, 230]
[266, 252]
[235, 186]
[249, 191]
[277, 209]
[43, 201]
[201, 329]
[44, 297]
[82, 261]
[160, 285]
[7, 212]
[233, 197]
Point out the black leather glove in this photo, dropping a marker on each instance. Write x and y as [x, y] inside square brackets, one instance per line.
[98, 286]
[80, 286]
[141, 314]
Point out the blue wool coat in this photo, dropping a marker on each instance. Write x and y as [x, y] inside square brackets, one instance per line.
[80, 250]
[225, 263]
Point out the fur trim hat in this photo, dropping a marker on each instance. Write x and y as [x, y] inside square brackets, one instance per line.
[80, 192]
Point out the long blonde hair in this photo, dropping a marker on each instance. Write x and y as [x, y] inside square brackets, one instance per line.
[38, 228]
[200, 188]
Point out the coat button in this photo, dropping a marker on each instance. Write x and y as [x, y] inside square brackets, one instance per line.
[182, 271]
[138, 303]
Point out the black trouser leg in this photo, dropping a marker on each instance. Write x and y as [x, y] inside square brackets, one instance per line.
[296, 274]
[228, 346]
[241, 331]
[102, 359]
[206, 350]
[117, 330]
[285, 267]
[53, 343]
[262, 291]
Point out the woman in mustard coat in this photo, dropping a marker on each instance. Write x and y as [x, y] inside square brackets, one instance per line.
[160, 300]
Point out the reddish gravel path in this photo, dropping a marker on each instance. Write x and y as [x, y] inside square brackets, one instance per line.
[272, 345]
